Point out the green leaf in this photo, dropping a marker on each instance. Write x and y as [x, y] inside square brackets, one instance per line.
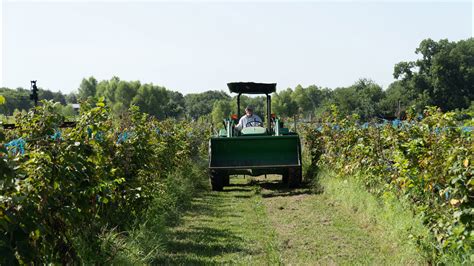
[2, 99]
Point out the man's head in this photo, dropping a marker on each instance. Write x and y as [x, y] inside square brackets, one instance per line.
[249, 110]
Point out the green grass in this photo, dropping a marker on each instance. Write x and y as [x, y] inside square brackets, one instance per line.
[263, 222]
[227, 227]
[320, 228]
[260, 221]
[387, 220]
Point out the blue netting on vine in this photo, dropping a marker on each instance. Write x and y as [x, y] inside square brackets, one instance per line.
[17, 145]
[99, 136]
[123, 137]
[396, 123]
[467, 129]
[56, 135]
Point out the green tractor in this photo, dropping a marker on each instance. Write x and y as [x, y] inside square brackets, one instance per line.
[255, 150]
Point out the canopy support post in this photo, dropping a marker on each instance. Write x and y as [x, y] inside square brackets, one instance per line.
[269, 113]
[238, 105]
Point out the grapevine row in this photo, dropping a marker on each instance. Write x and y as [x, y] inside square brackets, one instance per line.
[61, 190]
[431, 168]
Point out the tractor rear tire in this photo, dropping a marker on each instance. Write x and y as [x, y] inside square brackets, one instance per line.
[295, 177]
[225, 180]
[284, 177]
[217, 182]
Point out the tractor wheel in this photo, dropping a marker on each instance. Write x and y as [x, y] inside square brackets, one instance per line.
[295, 177]
[225, 180]
[217, 182]
[284, 178]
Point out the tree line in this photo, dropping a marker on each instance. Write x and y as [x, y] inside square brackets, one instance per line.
[443, 76]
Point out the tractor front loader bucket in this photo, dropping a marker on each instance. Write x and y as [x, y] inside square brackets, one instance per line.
[255, 155]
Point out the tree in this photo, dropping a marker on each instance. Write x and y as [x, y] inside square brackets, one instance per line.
[176, 104]
[300, 95]
[284, 104]
[123, 95]
[346, 99]
[310, 98]
[220, 110]
[71, 98]
[444, 76]
[362, 98]
[88, 88]
[258, 103]
[201, 104]
[2, 102]
[16, 99]
[152, 100]
[368, 95]
[50, 95]
[397, 99]
[106, 88]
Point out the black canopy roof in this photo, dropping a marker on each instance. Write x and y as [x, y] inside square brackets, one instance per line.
[252, 87]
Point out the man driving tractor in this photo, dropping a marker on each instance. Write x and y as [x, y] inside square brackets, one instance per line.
[249, 119]
[253, 149]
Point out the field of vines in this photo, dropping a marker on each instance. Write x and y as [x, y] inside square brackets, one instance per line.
[77, 194]
[426, 162]
[63, 190]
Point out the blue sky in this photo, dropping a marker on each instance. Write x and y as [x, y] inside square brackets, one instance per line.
[193, 47]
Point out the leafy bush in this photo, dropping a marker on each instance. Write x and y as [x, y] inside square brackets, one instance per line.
[61, 189]
[428, 162]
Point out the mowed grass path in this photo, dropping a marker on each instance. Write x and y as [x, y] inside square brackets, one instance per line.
[262, 222]
[224, 227]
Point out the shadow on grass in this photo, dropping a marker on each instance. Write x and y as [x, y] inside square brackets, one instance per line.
[279, 189]
[243, 196]
[239, 185]
[206, 239]
[203, 242]
[200, 245]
